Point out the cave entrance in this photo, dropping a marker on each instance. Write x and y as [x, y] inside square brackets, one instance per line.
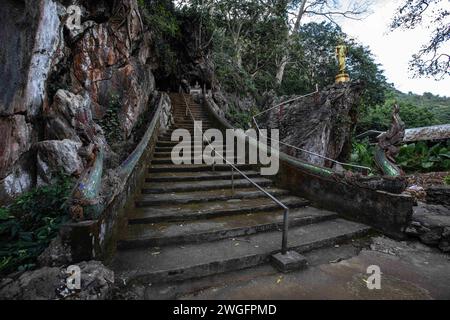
[166, 83]
[170, 83]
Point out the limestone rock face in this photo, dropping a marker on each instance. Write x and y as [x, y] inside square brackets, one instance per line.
[15, 140]
[166, 119]
[30, 37]
[58, 155]
[56, 83]
[15, 143]
[50, 284]
[70, 117]
[104, 66]
[321, 123]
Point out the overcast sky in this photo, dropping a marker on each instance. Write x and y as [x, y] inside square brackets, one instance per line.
[393, 50]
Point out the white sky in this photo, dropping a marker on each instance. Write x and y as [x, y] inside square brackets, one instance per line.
[393, 50]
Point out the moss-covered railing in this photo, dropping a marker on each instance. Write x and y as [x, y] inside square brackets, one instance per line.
[376, 201]
[388, 167]
[95, 237]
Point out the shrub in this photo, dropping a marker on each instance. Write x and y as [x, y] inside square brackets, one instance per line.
[29, 224]
[363, 154]
[419, 157]
[241, 119]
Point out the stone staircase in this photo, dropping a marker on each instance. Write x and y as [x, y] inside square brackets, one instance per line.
[187, 223]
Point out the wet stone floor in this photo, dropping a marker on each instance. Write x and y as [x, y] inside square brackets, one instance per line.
[409, 270]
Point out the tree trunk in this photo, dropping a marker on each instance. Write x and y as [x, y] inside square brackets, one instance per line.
[284, 61]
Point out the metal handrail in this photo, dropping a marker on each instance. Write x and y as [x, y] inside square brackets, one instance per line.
[278, 202]
[297, 148]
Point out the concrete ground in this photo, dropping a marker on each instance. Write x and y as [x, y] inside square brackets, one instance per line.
[410, 270]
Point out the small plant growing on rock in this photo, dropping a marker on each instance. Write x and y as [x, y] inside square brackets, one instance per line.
[447, 180]
[110, 122]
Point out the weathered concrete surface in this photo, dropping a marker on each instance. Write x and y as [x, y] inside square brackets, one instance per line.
[409, 271]
[384, 211]
[210, 210]
[167, 233]
[198, 260]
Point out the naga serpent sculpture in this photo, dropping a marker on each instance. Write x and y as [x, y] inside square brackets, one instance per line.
[389, 144]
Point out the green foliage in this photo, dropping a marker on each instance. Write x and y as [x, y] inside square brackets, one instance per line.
[110, 122]
[379, 117]
[419, 157]
[158, 14]
[314, 62]
[363, 154]
[241, 119]
[248, 36]
[447, 180]
[438, 106]
[261, 44]
[162, 19]
[29, 224]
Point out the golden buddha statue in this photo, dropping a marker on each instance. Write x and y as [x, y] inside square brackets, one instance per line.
[341, 55]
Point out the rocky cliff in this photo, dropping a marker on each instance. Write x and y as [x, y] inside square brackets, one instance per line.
[321, 123]
[59, 83]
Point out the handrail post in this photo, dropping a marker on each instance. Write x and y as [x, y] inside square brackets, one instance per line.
[214, 160]
[284, 245]
[232, 180]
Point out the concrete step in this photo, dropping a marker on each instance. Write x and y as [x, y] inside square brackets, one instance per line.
[195, 176]
[170, 143]
[194, 112]
[163, 234]
[188, 121]
[208, 210]
[195, 167]
[187, 127]
[165, 187]
[192, 158]
[190, 126]
[179, 118]
[170, 148]
[197, 152]
[168, 136]
[166, 154]
[174, 263]
[147, 200]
